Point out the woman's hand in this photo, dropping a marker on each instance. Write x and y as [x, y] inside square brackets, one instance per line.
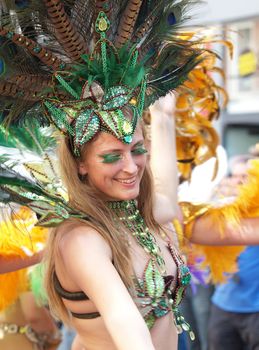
[163, 159]
[164, 105]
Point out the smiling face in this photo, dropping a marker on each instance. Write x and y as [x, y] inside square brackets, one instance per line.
[113, 167]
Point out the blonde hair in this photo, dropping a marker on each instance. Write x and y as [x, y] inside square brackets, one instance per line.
[85, 198]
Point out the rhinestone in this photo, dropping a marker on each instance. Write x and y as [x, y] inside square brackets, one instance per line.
[102, 25]
[127, 139]
[133, 101]
[192, 335]
[185, 327]
[127, 127]
[9, 35]
[37, 49]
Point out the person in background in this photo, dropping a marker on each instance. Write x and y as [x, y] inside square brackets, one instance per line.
[25, 322]
[27, 326]
[17, 263]
[234, 318]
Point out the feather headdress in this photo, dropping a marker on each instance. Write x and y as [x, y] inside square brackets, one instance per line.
[28, 173]
[80, 64]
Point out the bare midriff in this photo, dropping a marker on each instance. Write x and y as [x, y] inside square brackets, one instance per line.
[93, 335]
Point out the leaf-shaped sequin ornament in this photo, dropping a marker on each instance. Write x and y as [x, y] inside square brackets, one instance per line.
[185, 275]
[114, 100]
[87, 125]
[162, 308]
[60, 118]
[50, 220]
[150, 321]
[109, 120]
[155, 284]
[185, 278]
[116, 97]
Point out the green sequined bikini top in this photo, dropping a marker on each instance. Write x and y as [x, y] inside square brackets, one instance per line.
[156, 295]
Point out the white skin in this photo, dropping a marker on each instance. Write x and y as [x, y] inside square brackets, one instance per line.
[163, 159]
[119, 180]
[121, 326]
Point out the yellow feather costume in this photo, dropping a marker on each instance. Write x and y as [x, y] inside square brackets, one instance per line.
[19, 238]
[222, 259]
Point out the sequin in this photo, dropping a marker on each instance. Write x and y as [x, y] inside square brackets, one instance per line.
[102, 25]
[155, 294]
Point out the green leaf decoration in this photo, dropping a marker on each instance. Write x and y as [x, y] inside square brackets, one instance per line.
[185, 275]
[116, 97]
[49, 220]
[162, 309]
[155, 284]
[109, 120]
[87, 125]
[150, 320]
[179, 295]
[60, 117]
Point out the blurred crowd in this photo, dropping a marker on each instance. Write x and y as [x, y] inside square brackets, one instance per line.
[226, 316]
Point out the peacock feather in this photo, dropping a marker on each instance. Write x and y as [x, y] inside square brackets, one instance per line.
[41, 40]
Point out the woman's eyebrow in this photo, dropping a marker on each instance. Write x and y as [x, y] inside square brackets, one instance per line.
[111, 150]
[139, 143]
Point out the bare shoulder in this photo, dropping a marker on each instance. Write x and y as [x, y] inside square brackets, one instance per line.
[75, 237]
[83, 257]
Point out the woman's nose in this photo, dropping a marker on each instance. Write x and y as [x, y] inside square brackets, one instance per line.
[129, 164]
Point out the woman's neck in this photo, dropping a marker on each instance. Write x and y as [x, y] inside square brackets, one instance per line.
[126, 213]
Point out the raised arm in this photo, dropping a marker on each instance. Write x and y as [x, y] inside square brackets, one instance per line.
[207, 232]
[88, 262]
[10, 264]
[235, 223]
[163, 159]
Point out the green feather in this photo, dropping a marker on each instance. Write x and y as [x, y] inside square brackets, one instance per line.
[37, 284]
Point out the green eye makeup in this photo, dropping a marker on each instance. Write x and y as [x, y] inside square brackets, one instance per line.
[110, 158]
[139, 150]
[113, 157]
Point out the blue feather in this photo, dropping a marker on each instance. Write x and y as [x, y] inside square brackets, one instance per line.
[171, 19]
[22, 3]
[2, 66]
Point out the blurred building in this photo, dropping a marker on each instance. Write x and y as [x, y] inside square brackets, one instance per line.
[239, 22]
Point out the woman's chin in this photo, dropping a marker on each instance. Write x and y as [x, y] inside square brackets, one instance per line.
[125, 195]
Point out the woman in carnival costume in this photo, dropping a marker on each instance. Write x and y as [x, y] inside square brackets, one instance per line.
[90, 68]
[24, 321]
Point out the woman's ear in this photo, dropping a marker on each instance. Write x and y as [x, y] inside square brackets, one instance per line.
[82, 168]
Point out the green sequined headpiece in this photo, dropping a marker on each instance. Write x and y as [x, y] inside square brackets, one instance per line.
[111, 108]
[90, 66]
